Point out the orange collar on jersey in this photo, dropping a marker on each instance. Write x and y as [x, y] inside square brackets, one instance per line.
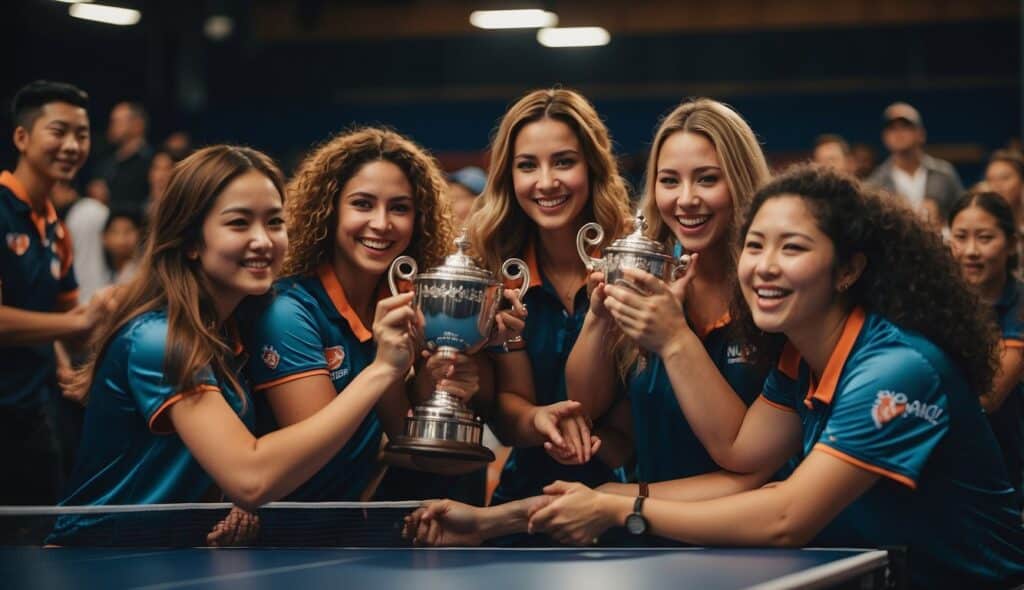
[721, 322]
[825, 390]
[40, 221]
[337, 294]
[530, 257]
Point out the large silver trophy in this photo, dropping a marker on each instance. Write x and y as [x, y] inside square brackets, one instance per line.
[459, 301]
[632, 251]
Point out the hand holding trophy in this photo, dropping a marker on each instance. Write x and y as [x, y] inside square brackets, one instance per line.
[459, 301]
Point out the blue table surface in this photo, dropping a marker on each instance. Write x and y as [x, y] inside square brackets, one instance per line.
[451, 569]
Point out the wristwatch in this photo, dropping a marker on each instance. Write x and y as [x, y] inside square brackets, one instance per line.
[636, 524]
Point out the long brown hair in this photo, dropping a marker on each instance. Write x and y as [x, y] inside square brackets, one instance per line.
[312, 207]
[168, 279]
[498, 227]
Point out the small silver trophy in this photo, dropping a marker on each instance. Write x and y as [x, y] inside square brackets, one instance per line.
[632, 251]
[459, 301]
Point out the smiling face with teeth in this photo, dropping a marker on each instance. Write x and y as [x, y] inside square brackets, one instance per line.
[692, 194]
[57, 144]
[787, 269]
[376, 217]
[549, 175]
[244, 240]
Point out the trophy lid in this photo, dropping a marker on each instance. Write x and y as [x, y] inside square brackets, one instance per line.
[637, 242]
[461, 265]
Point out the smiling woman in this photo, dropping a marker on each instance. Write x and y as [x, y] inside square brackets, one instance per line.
[169, 358]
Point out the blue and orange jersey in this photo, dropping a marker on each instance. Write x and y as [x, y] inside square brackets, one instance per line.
[890, 402]
[129, 453]
[550, 333]
[666, 446]
[311, 329]
[35, 275]
[1006, 421]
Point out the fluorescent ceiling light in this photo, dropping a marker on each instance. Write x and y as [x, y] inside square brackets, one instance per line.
[573, 37]
[531, 18]
[112, 15]
[73, 1]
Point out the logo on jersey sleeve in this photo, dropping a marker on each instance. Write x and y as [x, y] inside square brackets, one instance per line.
[270, 357]
[336, 365]
[890, 405]
[334, 356]
[18, 243]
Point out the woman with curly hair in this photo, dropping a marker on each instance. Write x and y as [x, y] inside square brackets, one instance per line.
[704, 166]
[168, 358]
[551, 171]
[983, 239]
[356, 203]
[876, 395]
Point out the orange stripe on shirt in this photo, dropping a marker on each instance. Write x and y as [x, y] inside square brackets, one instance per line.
[903, 479]
[165, 427]
[776, 405]
[289, 378]
[1012, 343]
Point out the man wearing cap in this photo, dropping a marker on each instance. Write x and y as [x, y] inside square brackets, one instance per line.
[909, 172]
[464, 186]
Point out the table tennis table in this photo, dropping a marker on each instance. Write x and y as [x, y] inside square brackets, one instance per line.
[448, 569]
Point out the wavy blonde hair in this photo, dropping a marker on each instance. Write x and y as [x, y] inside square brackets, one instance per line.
[743, 166]
[498, 227]
[311, 207]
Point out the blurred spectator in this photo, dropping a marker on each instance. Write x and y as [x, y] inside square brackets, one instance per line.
[863, 160]
[127, 169]
[1005, 175]
[832, 150]
[85, 221]
[909, 172]
[464, 186]
[160, 174]
[63, 197]
[122, 235]
[178, 144]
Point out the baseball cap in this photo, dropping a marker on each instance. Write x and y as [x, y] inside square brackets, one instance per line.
[470, 177]
[902, 111]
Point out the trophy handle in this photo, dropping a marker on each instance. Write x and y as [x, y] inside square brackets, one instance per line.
[396, 271]
[589, 236]
[680, 268]
[523, 273]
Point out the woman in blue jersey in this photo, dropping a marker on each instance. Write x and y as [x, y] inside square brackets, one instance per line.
[983, 239]
[876, 394]
[356, 203]
[168, 413]
[704, 166]
[552, 170]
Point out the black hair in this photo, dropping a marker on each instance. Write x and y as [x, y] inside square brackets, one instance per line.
[910, 277]
[29, 101]
[129, 213]
[997, 207]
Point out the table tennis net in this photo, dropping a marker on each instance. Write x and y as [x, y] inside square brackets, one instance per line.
[278, 524]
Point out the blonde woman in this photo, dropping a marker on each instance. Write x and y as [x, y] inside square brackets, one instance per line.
[704, 166]
[551, 171]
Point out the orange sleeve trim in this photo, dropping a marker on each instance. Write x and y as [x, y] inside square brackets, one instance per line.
[67, 300]
[158, 425]
[1012, 343]
[289, 378]
[903, 479]
[777, 405]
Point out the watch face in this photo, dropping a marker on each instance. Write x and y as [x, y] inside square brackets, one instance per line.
[636, 524]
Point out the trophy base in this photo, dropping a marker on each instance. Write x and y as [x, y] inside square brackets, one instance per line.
[443, 436]
[446, 455]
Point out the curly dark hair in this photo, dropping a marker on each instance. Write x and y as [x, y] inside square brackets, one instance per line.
[910, 277]
[311, 206]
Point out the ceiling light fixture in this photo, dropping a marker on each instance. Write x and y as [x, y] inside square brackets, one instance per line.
[530, 18]
[573, 37]
[111, 15]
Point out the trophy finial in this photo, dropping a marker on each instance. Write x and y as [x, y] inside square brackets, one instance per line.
[462, 242]
[639, 222]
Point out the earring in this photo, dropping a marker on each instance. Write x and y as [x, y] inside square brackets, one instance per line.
[843, 286]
